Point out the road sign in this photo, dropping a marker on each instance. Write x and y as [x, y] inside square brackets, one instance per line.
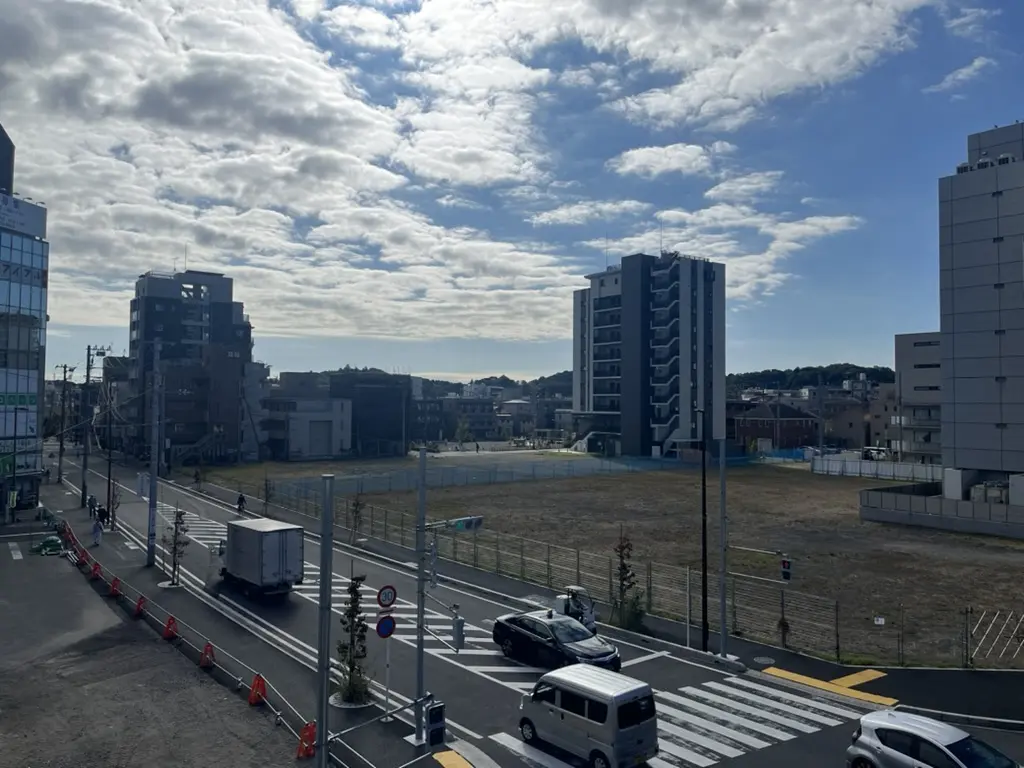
[385, 627]
[386, 596]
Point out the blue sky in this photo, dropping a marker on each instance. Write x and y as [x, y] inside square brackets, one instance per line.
[419, 186]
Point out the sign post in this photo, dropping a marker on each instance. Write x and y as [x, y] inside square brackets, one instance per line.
[386, 597]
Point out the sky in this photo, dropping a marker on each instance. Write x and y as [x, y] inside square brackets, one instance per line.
[419, 185]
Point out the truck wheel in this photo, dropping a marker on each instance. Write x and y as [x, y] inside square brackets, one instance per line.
[598, 760]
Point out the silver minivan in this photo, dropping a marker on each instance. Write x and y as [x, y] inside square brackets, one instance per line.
[601, 716]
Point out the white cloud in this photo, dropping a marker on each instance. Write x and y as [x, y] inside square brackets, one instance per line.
[592, 210]
[960, 77]
[745, 188]
[223, 127]
[726, 232]
[650, 162]
[970, 22]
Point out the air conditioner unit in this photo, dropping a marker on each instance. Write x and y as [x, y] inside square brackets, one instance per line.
[984, 163]
[1006, 158]
[963, 168]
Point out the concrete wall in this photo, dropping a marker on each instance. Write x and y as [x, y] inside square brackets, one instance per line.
[307, 429]
[921, 505]
[883, 470]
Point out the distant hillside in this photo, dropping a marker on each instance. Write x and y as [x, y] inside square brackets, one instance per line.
[795, 378]
[546, 386]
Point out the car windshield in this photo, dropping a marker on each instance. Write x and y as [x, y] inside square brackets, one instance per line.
[569, 631]
[977, 754]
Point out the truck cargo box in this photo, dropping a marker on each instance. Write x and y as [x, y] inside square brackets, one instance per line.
[267, 554]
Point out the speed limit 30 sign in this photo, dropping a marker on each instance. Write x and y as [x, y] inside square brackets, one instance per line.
[386, 596]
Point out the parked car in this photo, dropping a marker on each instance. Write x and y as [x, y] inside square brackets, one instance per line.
[548, 639]
[893, 739]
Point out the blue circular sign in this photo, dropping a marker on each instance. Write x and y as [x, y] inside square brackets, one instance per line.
[385, 627]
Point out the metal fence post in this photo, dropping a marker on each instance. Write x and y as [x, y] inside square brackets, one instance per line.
[688, 616]
[522, 559]
[782, 618]
[370, 532]
[497, 555]
[401, 529]
[455, 548]
[900, 638]
[577, 566]
[476, 549]
[650, 586]
[548, 562]
[732, 599]
[386, 524]
[611, 585]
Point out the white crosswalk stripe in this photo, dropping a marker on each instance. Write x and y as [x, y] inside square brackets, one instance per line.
[480, 656]
[703, 725]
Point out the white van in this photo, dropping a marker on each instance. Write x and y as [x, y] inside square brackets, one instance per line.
[601, 716]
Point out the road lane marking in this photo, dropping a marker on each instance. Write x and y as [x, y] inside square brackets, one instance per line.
[823, 685]
[530, 754]
[786, 696]
[858, 678]
[15, 550]
[452, 759]
[729, 717]
[771, 704]
[648, 657]
[499, 670]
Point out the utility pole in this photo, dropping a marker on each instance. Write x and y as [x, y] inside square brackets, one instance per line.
[66, 369]
[86, 400]
[703, 529]
[723, 532]
[110, 449]
[421, 594]
[154, 454]
[323, 709]
[821, 417]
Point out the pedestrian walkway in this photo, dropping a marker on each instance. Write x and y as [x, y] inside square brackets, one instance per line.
[717, 721]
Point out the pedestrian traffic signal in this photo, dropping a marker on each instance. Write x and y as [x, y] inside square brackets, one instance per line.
[436, 725]
[786, 570]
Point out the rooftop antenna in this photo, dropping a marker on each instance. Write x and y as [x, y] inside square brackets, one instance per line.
[606, 250]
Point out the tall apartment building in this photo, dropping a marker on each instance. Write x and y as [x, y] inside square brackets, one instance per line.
[981, 230]
[24, 279]
[6, 163]
[919, 398]
[205, 345]
[649, 352]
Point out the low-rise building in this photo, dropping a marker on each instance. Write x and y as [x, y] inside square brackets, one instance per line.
[308, 429]
[776, 424]
[918, 422]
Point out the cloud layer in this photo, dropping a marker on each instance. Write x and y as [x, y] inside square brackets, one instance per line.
[383, 169]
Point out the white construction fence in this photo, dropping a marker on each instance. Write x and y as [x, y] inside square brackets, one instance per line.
[882, 470]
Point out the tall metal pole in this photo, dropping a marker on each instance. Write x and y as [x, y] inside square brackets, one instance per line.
[63, 422]
[703, 531]
[110, 451]
[421, 595]
[323, 749]
[723, 527]
[154, 454]
[821, 417]
[86, 423]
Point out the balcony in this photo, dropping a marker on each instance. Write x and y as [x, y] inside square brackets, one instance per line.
[932, 448]
[666, 336]
[661, 378]
[606, 388]
[663, 316]
[664, 297]
[606, 355]
[665, 353]
[607, 337]
[607, 318]
[666, 398]
[665, 420]
[607, 372]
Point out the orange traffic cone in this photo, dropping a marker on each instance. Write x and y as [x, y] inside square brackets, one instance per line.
[171, 628]
[140, 606]
[115, 587]
[258, 691]
[307, 741]
[206, 658]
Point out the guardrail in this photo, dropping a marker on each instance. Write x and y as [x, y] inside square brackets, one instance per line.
[193, 644]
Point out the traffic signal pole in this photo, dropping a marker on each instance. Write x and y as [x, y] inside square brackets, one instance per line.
[323, 724]
[421, 593]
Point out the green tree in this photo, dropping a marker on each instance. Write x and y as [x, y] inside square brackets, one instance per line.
[175, 541]
[629, 606]
[356, 507]
[355, 688]
[462, 432]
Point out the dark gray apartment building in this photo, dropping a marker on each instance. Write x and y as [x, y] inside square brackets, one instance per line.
[205, 344]
[649, 353]
[981, 260]
[6, 162]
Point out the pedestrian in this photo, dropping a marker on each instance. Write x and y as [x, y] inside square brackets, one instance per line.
[97, 532]
[102, 515]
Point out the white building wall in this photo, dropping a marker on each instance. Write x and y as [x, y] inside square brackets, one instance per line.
[307, 413]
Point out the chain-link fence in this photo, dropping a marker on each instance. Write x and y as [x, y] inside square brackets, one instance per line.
[758, 609]
[480, 472]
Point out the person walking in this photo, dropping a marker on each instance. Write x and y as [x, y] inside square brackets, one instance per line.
[97, 532]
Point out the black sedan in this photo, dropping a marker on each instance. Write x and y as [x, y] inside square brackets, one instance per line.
[548, 639]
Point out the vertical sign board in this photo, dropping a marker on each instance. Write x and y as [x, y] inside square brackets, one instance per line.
[22, 216]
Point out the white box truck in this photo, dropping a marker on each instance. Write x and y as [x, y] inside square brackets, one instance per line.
[262, 556]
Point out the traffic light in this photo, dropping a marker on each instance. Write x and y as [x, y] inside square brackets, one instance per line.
[435, 724]
[433, 563]
[786, 569]
[459, 633]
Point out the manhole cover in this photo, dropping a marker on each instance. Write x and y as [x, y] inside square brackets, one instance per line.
[764, 660]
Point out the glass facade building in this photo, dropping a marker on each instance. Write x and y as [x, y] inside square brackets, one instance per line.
[24, 276]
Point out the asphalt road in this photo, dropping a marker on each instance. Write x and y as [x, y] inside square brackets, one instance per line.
[706, 715]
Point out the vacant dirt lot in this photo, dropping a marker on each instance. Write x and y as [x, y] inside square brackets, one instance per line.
[920, 581]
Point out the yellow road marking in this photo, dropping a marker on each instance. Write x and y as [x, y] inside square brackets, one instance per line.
[452, 759]
[824, 685]
[858, 678]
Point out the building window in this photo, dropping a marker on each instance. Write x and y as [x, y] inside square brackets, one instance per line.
[926, 365]
[926, 389]
[926, 343]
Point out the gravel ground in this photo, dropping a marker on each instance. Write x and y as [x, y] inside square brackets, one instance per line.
[919, 580]
[123, 698]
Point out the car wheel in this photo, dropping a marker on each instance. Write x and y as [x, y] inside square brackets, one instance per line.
[527, 731]
[862, 763]
[598, 760]
[506, 647]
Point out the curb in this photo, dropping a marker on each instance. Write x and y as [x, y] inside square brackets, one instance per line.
[732, 665]
[956, 718]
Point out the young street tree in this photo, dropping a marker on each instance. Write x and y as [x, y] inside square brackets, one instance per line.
[176, 542]
[355, 689]
[462, 432]
[629, 605]
[356, 507]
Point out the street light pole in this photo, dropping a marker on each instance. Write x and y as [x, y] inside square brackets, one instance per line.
[66, 369]
[723, 527]
[703, 531]
[421, 594]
